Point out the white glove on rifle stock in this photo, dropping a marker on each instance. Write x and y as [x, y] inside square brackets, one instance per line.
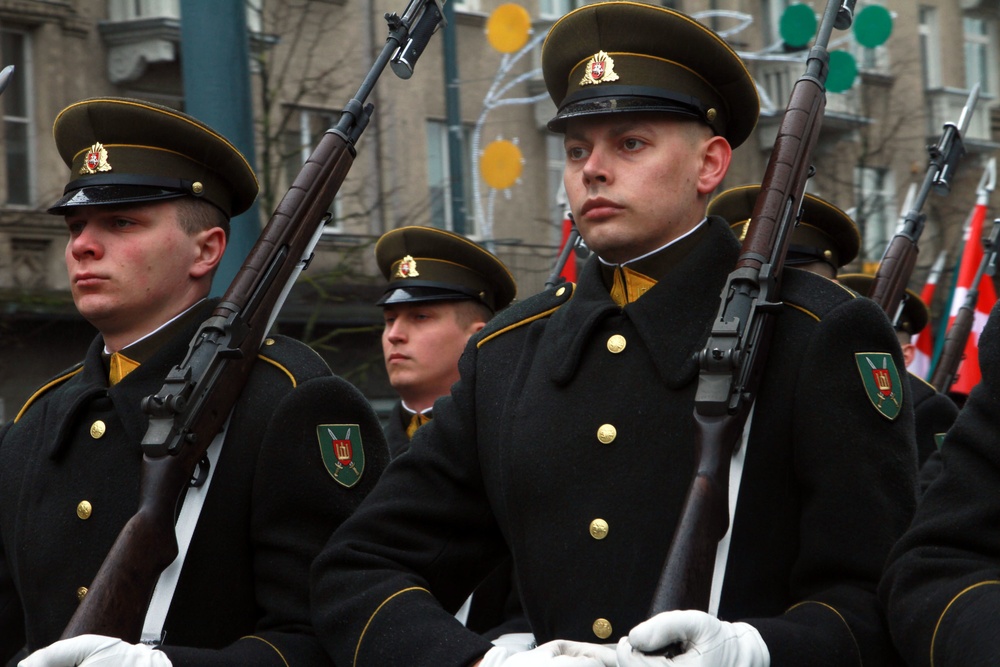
[96, 651]
[558, 653]
[705, 640]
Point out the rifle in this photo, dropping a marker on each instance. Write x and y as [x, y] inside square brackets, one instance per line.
[573, 240]
[733, 359]
[197, 395]
[900, 257]
[946, 371]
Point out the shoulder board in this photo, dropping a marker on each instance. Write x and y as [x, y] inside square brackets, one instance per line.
[813, 294]
[54, 382]
[919, 380]
[536, 307]
[295, 359]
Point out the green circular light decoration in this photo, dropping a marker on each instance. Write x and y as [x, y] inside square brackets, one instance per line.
[797, 25]
[843, 71]
[872, 26]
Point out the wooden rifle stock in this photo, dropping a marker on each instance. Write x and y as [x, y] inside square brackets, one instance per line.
[946, 371]
[733, 359]
[900, 257]
[198, 395]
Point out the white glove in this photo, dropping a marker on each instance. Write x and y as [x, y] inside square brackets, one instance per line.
[515, 642]
[95, 651]
[705, 640]
[559, 653]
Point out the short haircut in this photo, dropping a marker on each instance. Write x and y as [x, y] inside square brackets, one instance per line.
[469, 311]
[196, 215]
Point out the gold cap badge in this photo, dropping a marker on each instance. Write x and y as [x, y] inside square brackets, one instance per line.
[96, 160]
[407, 268]
[601, 68]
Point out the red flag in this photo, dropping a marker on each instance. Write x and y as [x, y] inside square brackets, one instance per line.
[968, 375]
[569, 269]
[923, 341]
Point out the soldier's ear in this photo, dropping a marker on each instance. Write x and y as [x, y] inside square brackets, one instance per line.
[715, 159]
[210, 244]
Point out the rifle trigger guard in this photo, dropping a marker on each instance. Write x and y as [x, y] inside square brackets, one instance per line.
[201, 474]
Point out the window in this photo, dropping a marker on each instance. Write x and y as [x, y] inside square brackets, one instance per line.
[18, 155]
[300, 139]
[930, 47]
[438, 167]
[552, 9]
[977, 54]
[875, 196]
[770, 13]
[29, 259]
[872, 60]
[127, 10]
[467, 6]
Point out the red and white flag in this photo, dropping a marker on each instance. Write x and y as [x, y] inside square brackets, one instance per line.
[968, 374]
[924, 340]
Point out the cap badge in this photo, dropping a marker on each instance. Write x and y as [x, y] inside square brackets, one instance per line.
[95, 160]
[601, 68]
[407, 268]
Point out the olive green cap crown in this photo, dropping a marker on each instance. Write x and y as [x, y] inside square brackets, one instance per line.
[429, 264]
[124, 151]
[824, 233]
[615, 57]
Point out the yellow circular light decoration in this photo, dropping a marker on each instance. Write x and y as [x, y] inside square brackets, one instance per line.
[508, 28]
[501, 164]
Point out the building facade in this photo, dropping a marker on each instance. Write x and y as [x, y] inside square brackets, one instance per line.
[308, 58]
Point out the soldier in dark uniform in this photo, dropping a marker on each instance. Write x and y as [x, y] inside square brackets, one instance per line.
[442, 288]
[147, 211]
[941, 589]
[569, 439]
[824, 240]
[933, 411]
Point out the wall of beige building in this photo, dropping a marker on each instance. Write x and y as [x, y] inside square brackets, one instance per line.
[314, 55]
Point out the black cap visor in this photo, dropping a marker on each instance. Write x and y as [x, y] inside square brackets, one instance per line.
[620, 99]
[416, 293]
[101, 190]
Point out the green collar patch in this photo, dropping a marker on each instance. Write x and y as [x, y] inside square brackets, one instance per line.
[881, 381]
[343, 452]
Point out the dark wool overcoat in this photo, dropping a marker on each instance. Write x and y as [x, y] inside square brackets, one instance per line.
[934, 413]
[942, 586]
[576, 453]
[243, 596]
[496, 606]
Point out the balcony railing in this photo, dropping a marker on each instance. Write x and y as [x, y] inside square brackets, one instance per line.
[775, 80]
[945, 106]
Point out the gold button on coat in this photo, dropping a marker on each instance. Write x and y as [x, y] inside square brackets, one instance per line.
[84, 510]
[97, 429]
[602, 628]
[598, 529]
[81, 593]
[607, 434]
[616, 344]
